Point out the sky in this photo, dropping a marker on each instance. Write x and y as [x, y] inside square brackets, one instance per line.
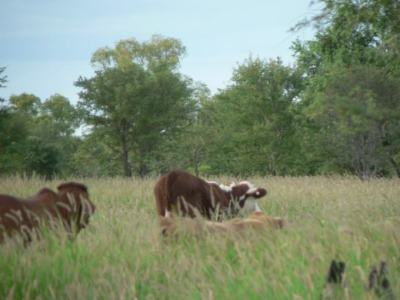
[46, 45]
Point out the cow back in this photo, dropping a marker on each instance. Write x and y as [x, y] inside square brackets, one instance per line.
[13, 217]
[188, 195]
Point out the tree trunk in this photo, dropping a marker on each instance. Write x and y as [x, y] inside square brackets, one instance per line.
[143, 170]
[196, 161]
[396, 166]
[144, 151]
[196, 168]
[125, 156]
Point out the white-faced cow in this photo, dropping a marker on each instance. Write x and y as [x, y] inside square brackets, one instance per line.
[188, 195]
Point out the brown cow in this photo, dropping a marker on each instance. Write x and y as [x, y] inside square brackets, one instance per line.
[71, 206]
[255, 221]
[189, 195]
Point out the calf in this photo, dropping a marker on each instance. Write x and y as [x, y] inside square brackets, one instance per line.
[71, 207]
[255, 221]
[189, 195]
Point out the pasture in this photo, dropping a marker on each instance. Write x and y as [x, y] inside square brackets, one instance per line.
[121, 255]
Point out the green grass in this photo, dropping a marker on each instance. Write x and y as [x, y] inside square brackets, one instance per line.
[122, 256]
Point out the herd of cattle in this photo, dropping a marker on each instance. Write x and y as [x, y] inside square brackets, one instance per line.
[217, 205]
[177, 193]
[205, 207]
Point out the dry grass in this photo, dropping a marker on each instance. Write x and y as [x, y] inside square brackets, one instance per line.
[122, 256]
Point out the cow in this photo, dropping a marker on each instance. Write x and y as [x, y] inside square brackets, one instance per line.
[70, 207]
[255, 221]
[192, 196]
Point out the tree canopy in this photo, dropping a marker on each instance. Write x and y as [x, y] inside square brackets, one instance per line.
[137, 97]
[336, 110]
[3, 78]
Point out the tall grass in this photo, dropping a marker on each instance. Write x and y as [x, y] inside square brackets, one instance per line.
[121, 255]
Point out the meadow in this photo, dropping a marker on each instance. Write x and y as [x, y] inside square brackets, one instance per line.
[121, 255]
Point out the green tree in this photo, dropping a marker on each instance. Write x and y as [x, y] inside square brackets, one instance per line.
[37, 137]
[13, 135]
[352, 32]
[358, 114]
[137, 97]
[16, 121]
[64, 116]
[3, 78]
[187, 148]
[54, 128]
[349, 123]
[253, 120]
[40, 158]
[96, 155]
[24, 103]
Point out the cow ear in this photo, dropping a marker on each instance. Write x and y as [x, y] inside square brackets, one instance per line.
[258, 193]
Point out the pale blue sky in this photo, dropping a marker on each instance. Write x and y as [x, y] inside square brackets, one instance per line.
[47, 44]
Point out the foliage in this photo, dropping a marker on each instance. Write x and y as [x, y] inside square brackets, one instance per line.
[358, 116]
[253, 120]
[350, 98]
[3, 78]
[334, 111]
[26, 104]
[136, 95]
[187, 148]
[353, 32]
[13, 133]
[95, 156]
[37, 137]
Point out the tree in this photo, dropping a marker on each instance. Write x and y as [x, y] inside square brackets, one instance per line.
[187, 148]
[358, 114]
[353, 32]
[16, 121]
[253, 120]
[54, 128]
[37, 137]
[13, 135]
[96, 155]
[137, 97]
[24, 103]
[3, 79]
[64, 116]
[349, 122]
[40, 158]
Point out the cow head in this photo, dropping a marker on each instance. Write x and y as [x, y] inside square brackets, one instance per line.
[75, 205]
[244, 197]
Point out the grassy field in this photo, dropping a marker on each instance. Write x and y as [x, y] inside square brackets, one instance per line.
[122, 256]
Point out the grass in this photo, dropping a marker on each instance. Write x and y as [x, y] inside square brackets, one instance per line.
[122, 256]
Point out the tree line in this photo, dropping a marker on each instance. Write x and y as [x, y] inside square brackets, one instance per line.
[336, 110]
